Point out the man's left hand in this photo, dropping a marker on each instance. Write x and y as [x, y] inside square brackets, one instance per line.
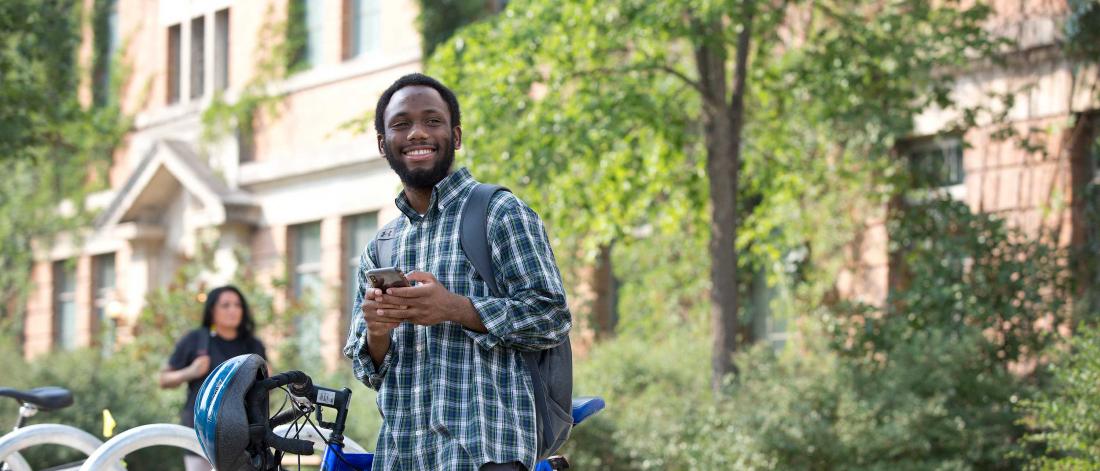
[428, 303]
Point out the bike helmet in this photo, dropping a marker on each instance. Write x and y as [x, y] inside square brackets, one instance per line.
[221, 421]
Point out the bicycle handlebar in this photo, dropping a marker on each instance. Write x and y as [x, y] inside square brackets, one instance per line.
[260, 432]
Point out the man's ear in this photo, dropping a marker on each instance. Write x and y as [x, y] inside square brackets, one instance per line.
[458, 137]
[381, 144]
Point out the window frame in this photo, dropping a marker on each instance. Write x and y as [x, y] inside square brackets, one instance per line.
[64, 294]
[298, 267]
[174, 75]
[102, 295]
[353, 249]
[952, 149]
[222, 44]
[197, 57]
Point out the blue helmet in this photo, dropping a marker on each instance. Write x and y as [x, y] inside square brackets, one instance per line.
[221, 420]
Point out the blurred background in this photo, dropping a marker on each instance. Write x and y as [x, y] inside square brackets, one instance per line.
[796, 234]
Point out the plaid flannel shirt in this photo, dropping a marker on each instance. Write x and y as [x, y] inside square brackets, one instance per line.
[452, 398]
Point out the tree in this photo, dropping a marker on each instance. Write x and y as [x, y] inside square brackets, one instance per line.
[439, 19]
[749, 123]
[53, 147]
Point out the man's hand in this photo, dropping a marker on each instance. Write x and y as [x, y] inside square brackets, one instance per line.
[377, 325]
[429, 303]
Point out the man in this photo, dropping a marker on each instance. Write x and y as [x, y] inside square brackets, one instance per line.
[453, 390]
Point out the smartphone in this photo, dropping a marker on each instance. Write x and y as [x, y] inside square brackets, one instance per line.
[386, 278]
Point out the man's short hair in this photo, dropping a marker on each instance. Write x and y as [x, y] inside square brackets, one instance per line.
[412, 80]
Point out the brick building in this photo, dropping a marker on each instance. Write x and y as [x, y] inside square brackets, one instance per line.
[1034, 178]
[302, 189]
[303, 195]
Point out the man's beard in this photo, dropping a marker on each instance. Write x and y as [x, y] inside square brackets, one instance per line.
[422, 179]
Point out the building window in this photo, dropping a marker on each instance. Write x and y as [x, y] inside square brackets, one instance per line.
[358, 231]
[174, 64]
[198, 56]
[314, 23]
[363, 20]
[103, 289]
[64, 305]
[306, 286]
[304, 26]
[306, 259]
[936, 163]
[106, 46]
[221, 49]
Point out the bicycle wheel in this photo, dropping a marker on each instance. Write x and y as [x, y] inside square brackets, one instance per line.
[110, 453]
[45, 434]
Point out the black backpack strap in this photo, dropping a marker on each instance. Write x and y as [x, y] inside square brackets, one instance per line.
[551, 429]
[473, 233]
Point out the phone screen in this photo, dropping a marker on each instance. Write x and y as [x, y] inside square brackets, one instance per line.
[385, 278]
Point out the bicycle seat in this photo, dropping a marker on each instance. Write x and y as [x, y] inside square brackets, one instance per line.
[45, 398]
[586, 406]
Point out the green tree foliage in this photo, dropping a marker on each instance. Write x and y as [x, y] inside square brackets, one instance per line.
[1065, 417]
[97, 383]
[929, 383]
[439, 19]
[52, 148]
[604, 116]
[961, 271]
[1082, 33]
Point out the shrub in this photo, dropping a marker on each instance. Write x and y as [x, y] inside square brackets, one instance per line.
[929, 406]
[121, 383]
[1066, 415]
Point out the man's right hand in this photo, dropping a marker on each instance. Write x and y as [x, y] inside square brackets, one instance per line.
[378, 326]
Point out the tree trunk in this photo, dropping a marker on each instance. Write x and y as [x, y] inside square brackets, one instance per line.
[605, 302]
[723, 121]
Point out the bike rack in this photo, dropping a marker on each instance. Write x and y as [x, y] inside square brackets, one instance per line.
[45, 434]
[127, 442]
[16, 462]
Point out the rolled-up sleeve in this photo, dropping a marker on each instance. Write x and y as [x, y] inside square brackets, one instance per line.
[533, 315]
[356, 348]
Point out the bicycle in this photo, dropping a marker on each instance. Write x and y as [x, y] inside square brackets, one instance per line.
[36, 400]
[233, 424]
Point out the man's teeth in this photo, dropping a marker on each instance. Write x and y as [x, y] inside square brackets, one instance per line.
[419, 152]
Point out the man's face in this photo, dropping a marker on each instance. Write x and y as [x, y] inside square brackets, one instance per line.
[419, 141]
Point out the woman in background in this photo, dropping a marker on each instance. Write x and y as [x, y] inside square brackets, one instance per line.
[227, 331]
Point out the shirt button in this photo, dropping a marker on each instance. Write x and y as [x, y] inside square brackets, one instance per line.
[420, 347]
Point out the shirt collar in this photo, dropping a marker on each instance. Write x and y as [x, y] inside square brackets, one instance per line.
[446, 191]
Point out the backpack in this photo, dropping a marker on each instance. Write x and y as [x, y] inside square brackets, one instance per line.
[552, 369]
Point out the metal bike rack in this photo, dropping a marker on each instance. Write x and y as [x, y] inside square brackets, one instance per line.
[110, 453]
[15, 462]
[45, 434]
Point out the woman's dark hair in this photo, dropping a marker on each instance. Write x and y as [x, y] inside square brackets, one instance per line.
[244, 330]
[413, 80]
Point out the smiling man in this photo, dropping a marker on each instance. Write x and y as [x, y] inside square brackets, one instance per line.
[444, 355]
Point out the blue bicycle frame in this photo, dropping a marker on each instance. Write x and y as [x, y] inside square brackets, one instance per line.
[335, 459]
